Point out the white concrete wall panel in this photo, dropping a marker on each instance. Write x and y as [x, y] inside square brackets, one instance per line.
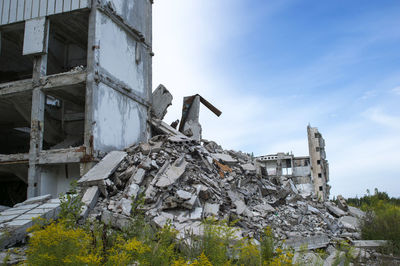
[35, 8]
[75, 4]
[67, 5]
[59, 6]
[13, 11]
[43, 8]
[18, 10]
[1, 10]
[51, 7]
[6, 11]
[28, 9]
[119, 121]
[56, 179]
[137, 14]
[35, 36]
[117, 55]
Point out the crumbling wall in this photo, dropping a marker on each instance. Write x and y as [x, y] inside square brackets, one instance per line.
[320, 166]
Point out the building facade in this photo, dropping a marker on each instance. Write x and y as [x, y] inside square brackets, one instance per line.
[309, 174]
[75, 83]
[319, 164]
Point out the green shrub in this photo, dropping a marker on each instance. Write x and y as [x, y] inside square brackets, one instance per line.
[383, 223]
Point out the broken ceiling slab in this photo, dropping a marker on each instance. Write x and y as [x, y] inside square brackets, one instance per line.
[101, 171]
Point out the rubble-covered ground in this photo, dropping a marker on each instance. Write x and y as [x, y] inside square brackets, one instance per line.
[184, 182]
[176, 180]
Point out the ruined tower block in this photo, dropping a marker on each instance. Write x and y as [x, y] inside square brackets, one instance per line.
[75, 83]
[319, 164]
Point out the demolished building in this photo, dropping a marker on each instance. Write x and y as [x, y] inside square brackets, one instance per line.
[75, 83]
[309, 174]
[76, 104]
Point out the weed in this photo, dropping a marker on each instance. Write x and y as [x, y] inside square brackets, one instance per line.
[71, 205]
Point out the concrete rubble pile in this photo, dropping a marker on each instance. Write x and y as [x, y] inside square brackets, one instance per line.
[183, 181]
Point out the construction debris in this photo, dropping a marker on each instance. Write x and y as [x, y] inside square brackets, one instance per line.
[15, 221]
[183, 181]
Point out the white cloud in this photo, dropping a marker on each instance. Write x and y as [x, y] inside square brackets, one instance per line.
[187, 38]
[378, 116]
[396, 90]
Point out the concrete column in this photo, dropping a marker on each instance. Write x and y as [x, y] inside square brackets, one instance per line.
[37, 118]
[91, 86]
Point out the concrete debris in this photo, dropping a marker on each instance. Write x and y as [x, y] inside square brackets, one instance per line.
[15, 221]
[162, 99]
[349, 222]
[211, 209]
[101, 171]
[342, 204]
[368, 243]
[312, 242]
[353, 211]
[334, 210]
[184, 181]
[224, 158]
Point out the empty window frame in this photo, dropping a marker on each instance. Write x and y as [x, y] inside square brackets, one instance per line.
[13, 65]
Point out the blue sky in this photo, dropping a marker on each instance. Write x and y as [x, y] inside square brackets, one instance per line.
[272, 67]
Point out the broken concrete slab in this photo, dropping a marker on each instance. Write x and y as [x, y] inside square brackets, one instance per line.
[138, 176]
[172, 173]
[349, 222]
[162, 99]
[369, 243]
[311, 242]
[15, 221]
[165, 128]
[33, 200]
[101, 171]
[355, 212]
[183, 195]
[211, 209]
[224, 158]
[7, 218]
[3, 208]
[162, 219]
[241, 207]
[190, 203]
[249, 167]
[334, 210]
[115, 220]
[132, 191]
[333, 257]
[91, 196]
[125, 205]
[342, 204]
[264, 208]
